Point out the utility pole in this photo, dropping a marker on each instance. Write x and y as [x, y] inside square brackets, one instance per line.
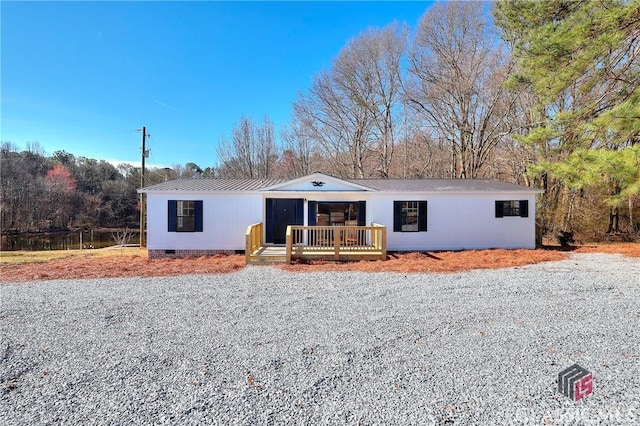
[142, 204]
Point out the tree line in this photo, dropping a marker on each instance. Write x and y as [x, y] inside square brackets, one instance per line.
[41, 192]
[543, 94]
[61, 192]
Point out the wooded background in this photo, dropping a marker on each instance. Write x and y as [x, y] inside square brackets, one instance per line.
[543, 94]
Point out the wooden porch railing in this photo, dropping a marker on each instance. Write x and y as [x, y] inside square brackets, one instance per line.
[253, 239]
[379, 238]
[364, 241]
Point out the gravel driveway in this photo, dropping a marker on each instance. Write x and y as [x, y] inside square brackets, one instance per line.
[264, 346]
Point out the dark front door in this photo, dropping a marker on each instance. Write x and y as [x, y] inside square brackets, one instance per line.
[280, 213]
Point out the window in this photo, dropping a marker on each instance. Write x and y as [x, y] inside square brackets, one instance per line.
[336, 213]
[409, 216]
[512, 208]
[332, 214]
[185, 216]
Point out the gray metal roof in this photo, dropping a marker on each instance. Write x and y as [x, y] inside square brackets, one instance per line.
[211, 184]
[385, 185]
[441, 185]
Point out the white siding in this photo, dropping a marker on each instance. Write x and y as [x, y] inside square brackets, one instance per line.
[459, 221]
[226, 217]
[454, 220]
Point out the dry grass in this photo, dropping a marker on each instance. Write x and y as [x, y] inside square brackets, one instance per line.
[105, 263]
[19, 257]
[116, 265]
[627, 249]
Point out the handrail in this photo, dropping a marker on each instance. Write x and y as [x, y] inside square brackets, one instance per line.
[253, 240]
[337, 239]
[289, 242]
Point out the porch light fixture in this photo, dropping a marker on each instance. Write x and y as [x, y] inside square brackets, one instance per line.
[317, 183]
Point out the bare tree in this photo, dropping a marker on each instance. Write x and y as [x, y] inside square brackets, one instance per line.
[351, 111]
[512, 156]
[420, 157]
[375, 59]
[266, 150]
[122, 238]
[60, 187]
[458, 71]
[338, 123]
[299, 151]
[252, 151]
[243, 138]
[189, 170]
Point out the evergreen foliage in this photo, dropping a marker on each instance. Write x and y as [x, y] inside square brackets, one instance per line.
[581, 60]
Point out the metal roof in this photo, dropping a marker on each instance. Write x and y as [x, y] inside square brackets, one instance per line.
[384, 185]
[441, 185]
[212, 184]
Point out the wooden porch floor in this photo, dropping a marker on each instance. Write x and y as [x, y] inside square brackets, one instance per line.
[278, 254]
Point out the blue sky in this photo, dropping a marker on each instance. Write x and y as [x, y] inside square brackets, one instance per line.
[83, 76]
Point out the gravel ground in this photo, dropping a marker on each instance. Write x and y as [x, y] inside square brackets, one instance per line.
[264, 346]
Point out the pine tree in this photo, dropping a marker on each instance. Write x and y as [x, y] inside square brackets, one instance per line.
[581, 60]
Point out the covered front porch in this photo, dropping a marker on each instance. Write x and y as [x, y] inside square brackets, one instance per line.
[336, 243]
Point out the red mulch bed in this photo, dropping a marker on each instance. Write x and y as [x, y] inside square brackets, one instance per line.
[141, 266]
[447, 261]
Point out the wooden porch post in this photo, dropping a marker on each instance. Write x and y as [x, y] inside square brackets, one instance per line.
[247, 244]
[289, 244]
[384, 243]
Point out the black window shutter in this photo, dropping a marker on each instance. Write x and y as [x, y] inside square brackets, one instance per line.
[524, 208]
[362, 213]
[172, 215]
[397, 216]
[499, 208]
[311, 214]
[422, 215]
[269, 219]
[198, 213]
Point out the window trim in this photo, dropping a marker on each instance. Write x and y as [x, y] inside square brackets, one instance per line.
[422, 215]
[312, 211]
[501, 209]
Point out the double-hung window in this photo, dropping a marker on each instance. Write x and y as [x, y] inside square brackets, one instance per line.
[512, 208]
[409, 216]
[185, 216]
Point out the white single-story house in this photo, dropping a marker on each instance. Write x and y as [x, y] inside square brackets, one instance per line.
[200, 216]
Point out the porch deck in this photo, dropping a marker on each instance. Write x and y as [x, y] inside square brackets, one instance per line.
[319, 242]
